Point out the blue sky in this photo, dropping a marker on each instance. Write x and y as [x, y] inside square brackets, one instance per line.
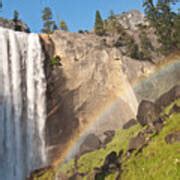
[79, 14]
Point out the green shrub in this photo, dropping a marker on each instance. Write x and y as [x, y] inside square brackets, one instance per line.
[55, 61]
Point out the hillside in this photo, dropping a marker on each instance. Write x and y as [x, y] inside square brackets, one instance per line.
[135, 152]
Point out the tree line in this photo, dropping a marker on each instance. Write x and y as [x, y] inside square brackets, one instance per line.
[162, 18]
[49, 25]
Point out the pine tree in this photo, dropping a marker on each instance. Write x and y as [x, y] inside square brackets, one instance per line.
[16, 15]
[63, 26]
[176, 35]
[162, 18]
[146, 46]
[1, 4]
[99, 24]
[49, 25]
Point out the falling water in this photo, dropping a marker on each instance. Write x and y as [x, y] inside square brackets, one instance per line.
[22, 104]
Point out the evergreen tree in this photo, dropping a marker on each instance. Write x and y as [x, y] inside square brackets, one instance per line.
[1, 4]
[112, 15]
[146, 46]
[16, 15]
[163, 19]
[49, 25]
[63, 26]
[176, 35]
[99, 24]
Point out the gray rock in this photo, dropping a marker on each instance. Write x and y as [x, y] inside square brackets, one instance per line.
[131, 20]
[129, 124]
[91, 143]
[175, 109]
[167, 98]
[147, 113]
[158, 125]
[136, 142]
[108, 136]
[173, 137]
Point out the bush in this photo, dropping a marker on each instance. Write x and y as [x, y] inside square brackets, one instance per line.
[146, 47]
[55, 61]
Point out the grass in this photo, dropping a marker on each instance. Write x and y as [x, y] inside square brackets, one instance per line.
[89, 161]
[47, 175]
[159, 160]
[168, 108]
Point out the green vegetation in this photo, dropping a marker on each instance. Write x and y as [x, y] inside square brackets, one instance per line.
[49, 25]
[63, 26]
[44, 175]
[55, 61]
[99, 24]
[146, 46]
[89, 161]
[159, 160]
[133, 49]
[165, 22]
[16, 15]
[112, 26]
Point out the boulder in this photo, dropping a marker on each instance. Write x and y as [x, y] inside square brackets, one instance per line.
[107, 137]
[167, 98]
[175, 109]
[129, 124]
[90, 143]
[136, 142]
[110, 165]
[147, 113]
[76, 176]
[111, 158]
[173, 137]
[158, 125]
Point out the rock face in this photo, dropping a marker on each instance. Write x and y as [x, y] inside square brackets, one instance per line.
[89, 86]
[94, 88]
[132, 19]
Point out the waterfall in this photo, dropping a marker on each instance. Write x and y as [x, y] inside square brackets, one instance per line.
[22, 105]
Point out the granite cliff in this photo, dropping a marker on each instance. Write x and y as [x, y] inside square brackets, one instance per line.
[94, 87]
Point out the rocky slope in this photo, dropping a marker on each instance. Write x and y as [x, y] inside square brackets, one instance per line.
[94, 88]
[136, 152]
